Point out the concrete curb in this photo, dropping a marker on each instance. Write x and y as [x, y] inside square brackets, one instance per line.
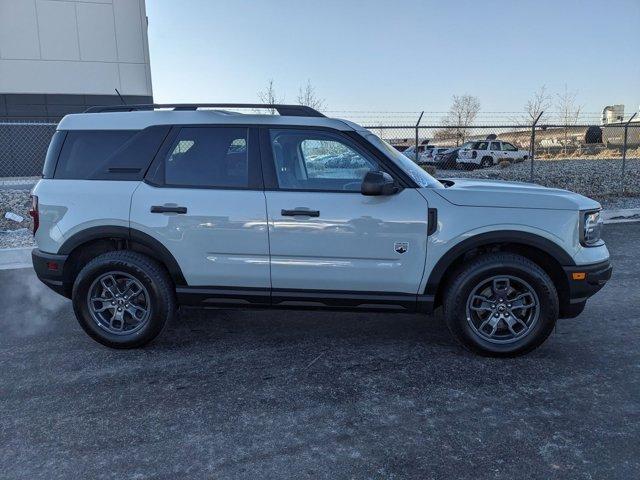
[621, 215]
[11, 258]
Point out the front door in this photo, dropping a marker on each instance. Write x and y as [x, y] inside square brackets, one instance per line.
[510, 151]
[325, 236]
[204, 202]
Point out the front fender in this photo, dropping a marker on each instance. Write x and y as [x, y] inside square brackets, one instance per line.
[442, 253]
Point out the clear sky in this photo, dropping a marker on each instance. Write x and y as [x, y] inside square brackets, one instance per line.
[402, 55]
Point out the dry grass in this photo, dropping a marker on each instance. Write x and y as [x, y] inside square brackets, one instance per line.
[504, 164]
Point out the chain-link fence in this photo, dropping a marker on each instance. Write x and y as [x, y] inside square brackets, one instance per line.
[592, 160]
[23, 146]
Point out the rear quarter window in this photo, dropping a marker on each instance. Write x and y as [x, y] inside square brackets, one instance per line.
[108, 154]
[52, 154]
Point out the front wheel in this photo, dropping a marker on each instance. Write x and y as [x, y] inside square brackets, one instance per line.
[123, 299]
[501, 305]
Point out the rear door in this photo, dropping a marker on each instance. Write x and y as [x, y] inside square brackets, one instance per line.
[326, 237]
[496, 152]
[203, 201]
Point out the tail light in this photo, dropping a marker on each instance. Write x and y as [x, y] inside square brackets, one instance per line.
[34, 213]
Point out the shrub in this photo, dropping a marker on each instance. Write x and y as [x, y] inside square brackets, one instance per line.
[504, 163]
[430, 169]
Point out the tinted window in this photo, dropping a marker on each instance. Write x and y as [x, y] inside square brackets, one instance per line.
[85, 152]
[480, 145]
[209, 157]
[108, 154]
[52, 154]
[495, 146]
[307, 160]
[508, 147]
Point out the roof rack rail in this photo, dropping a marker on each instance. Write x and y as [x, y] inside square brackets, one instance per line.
[287, 110]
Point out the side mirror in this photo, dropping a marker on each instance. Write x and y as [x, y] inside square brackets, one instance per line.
[378, 183]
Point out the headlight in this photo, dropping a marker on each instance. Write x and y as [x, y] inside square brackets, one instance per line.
[591, 228]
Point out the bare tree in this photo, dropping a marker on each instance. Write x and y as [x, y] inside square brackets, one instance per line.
[539, 103]
[568, 111]
[462, 114]
[269, 96]
[445, 134]
[307, 96]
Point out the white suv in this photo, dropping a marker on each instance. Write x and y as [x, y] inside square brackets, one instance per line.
[145, 208]
[485, 153]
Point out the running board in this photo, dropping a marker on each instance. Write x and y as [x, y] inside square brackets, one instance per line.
[303, 299]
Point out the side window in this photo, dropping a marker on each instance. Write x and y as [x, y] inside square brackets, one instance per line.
[86, 151]
[105, 154]
[508, 147]
[52, 154]
[208, 157]
[482, 145]
[308, 160]
[495, 146]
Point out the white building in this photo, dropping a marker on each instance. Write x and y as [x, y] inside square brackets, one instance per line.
[61, 56]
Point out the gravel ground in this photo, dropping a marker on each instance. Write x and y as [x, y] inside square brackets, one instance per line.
[12, 233]
[599, 179]
[16, 238]
[16, 201]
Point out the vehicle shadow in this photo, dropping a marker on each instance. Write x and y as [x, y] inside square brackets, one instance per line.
[266, 327]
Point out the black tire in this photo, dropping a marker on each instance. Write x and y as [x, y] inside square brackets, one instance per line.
[150, 275]
[471, 274]
[486, 162]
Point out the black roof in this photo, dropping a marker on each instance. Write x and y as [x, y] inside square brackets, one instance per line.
[286, 110]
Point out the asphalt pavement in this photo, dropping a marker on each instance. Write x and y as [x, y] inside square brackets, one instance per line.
[285, 394]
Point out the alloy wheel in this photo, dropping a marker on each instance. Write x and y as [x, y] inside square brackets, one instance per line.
[119, 303]
[502, 309]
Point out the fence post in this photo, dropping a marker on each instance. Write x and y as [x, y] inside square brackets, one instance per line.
[417, 127]
[624, 151]
[533, 144]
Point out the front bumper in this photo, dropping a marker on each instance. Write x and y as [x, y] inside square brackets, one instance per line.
[595, 276]
[50, 270]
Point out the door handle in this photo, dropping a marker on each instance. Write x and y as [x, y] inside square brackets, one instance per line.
[168, 209]
[299, 213]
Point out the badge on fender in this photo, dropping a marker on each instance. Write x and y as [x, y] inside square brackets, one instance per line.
[401, 247]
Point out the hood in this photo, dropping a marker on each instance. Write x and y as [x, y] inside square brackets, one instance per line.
[497, 193]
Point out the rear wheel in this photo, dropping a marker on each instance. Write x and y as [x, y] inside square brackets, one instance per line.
[486, 162]
[501, 304]
[123, 299]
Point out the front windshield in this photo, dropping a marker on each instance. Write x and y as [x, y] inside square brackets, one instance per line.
[418, 175]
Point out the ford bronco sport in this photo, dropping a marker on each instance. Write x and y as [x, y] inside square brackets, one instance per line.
[145, 208]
